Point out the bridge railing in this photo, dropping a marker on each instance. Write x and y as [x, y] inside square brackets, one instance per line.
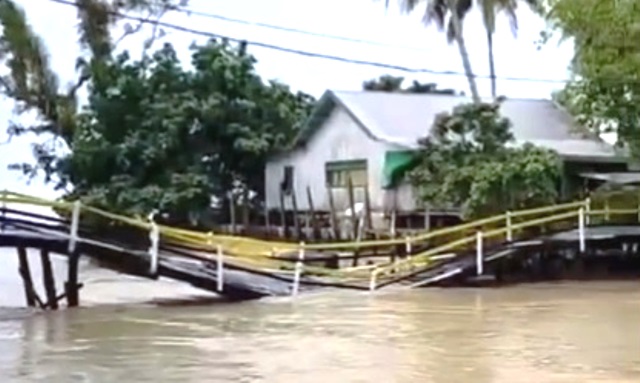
[612, 208]
[452, 242]
[420, 250]
[78, 213]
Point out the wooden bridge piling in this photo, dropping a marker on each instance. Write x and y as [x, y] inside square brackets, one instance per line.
[25, 272]
[72, 287]
[48, 280]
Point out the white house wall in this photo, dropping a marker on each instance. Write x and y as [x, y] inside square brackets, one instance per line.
[339, 139]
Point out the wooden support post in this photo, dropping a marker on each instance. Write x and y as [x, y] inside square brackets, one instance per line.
[4, 195]
[509, 225]
[607, 214]
[394, 215]
[298, 271]
[355, 221]
[25, 273]
[48, 280]
[312, 212]
[267, 221]
[334, 216]
[72, 286]
[232, 211]
[245, 209]
[367, 208]
[479, 254]
[283, 216]
[296, 222]
[354, 218]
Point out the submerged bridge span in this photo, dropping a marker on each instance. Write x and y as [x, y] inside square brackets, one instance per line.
[239, 268]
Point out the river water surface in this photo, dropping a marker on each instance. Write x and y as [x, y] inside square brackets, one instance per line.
[127, 332]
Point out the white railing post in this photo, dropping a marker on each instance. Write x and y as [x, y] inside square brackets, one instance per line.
[607, 213]
[479, 254]
[581, 230]
[587, 211]
[373, 280]
[154, 239]
[219, 269]
[509, 225]
[75, 222]
[298, 271]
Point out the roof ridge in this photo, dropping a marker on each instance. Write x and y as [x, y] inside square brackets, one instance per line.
[444, 95]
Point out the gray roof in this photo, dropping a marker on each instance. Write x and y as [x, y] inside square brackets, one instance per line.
[619, 178]
[401, 119]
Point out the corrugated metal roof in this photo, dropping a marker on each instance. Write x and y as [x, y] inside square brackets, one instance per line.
[620, 178]
[402, 119]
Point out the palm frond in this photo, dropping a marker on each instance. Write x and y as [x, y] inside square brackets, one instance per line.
[96, 17]
[31, 81]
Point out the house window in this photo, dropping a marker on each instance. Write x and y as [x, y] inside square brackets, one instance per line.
[287, 180]
[338, 173]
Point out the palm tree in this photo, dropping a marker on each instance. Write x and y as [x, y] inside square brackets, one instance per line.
[31, 81]
[490, 9]
[448, 15]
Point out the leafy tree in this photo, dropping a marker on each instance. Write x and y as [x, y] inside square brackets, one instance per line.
[468, 161]
[153, 135]
[387, 83]
[604, 93]
[36, 88]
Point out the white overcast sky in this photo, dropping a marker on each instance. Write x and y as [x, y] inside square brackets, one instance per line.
[399, 40]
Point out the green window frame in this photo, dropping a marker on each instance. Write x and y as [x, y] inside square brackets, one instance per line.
[337, 173]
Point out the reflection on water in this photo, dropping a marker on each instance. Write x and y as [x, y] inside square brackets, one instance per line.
[565, 333]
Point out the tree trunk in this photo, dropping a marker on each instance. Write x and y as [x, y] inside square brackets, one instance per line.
[492, 66]
[464, 55]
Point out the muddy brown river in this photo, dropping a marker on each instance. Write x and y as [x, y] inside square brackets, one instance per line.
[128, 331]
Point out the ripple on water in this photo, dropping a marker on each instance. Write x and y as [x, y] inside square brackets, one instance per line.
[562, 333]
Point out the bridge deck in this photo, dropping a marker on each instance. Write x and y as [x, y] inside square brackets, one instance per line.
[465, 262]
[253, 268]
[186, 266]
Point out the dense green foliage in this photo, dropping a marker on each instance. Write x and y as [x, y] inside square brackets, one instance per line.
[387, 83]
[157, 136]
[468, 161]
[154, 135]
[605, 91]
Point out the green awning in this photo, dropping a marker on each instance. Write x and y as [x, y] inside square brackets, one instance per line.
[396, 165]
